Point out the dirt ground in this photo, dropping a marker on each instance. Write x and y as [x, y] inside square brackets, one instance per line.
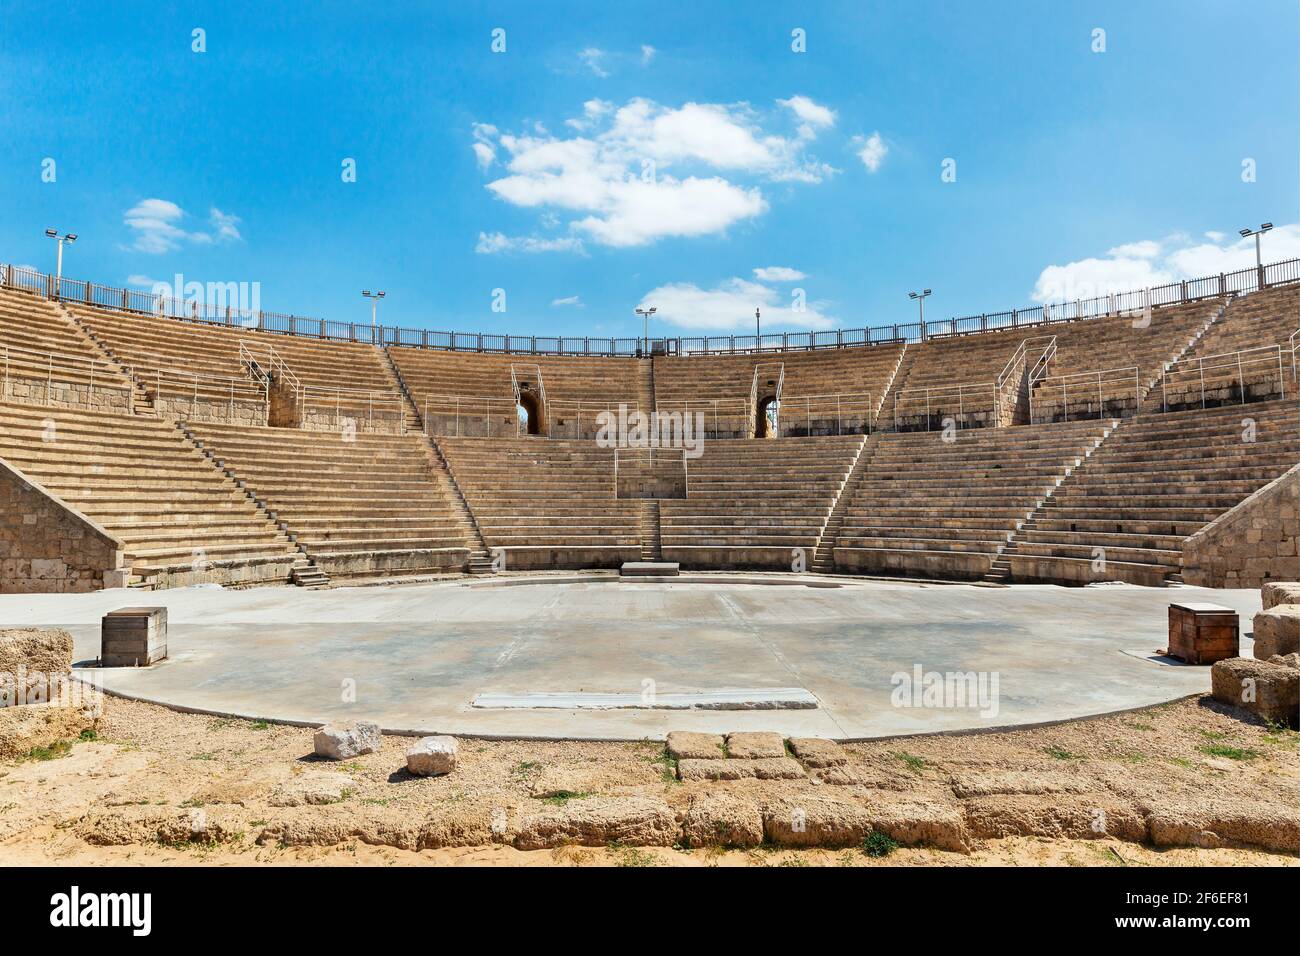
[1185, 783]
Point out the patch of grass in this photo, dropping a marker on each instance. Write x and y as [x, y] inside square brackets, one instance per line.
[669, 769]
[257, 823]
[60, 748]
[88, 734]
[1212, 734]
[914, 763]
[1060, 753]
[1231, 753]
[203, 756]
[259, 725]
[878, 844]
[561, 797]
[1132, 756]
[634, 857]
[1181, 762]
[793, 861]
[1139, 725]
[221, 723]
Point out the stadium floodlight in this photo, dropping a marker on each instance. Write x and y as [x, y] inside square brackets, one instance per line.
[645, 314]
[1259, 261]
[69, 238]
[920, 299]
[374, 298]
[758, 328]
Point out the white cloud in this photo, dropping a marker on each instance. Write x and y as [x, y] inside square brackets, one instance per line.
[572, 300]
[730, 305]
[778, 274]
[1147, 263]
[871, 150]
[155, 224]
[813, 115]
[592, 58]
[496, 242]
[620, 177]
[647, 53]
[226, 225]
[143, 281]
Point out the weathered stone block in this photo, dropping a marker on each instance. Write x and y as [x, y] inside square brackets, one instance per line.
[685, 745]
[818, 752]
[1270, 691]
[1280, 592]
[344, 741]
[1277, 631]
[755, 745]
[432, 756]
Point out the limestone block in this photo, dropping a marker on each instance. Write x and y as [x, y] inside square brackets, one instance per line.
[1277, 631]
[344, 741]
[1270, 691]
[755, 745]
[685, 745]
[432, 756]
[1280, 592]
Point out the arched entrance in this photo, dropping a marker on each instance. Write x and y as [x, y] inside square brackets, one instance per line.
[529, 410]
[767, 424]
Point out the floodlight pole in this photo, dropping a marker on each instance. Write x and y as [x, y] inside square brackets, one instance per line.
[758, 329]
[58, 274]
[1259, 259]
[920, 300]
[374, 298]
[645, 314]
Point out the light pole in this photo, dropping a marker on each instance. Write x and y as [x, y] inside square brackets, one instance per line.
[645, 314]
[1259, 261]
[758, 329]
[69, 238]
[920, 299]
[374, 298]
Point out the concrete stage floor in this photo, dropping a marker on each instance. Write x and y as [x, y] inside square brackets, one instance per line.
[419, 654]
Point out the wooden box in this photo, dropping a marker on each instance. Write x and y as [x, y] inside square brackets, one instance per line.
[133, 637]
[1203, 633]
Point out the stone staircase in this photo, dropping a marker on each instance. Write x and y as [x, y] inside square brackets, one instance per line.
[651, 543]
[823, 561]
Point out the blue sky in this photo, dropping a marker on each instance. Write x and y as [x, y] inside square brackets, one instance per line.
[660, 153]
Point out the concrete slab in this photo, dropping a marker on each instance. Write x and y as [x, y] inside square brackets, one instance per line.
[413, 658]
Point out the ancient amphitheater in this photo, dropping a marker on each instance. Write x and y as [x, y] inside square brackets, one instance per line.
[525, 539]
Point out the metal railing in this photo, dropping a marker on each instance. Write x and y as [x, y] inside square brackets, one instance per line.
[35, 365]
[464, 412]
[1123, 303]
[211, 390]
[1292, 341]
[1224, 372]
[1109, 387]
[846, 413]
[939, 399]
[350, 403]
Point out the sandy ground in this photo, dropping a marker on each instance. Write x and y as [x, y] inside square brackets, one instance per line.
[1185, 783]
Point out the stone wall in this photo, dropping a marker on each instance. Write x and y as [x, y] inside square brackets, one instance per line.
[46, 546]
[1251, 544]
[105, 397]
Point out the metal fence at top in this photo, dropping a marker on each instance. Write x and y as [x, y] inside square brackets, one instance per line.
[1137, 300]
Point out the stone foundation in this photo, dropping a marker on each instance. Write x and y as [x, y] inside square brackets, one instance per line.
[1251, 544]
[48, 547]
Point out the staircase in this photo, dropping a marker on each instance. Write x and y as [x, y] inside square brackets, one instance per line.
[141, 399]
[480, 560]
[823, 561]
[645, 394]
[304, 573]
[411, 411]
[1150, 392]
[1000, 569]
[651, 549]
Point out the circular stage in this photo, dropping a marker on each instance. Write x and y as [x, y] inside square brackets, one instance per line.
[603, 658]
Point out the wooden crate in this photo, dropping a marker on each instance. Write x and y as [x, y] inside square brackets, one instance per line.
[1203, 633]
[133, 637]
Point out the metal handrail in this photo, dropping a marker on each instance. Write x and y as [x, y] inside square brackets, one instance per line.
[839, 401]
[1122, 303]
[1260, 355]
[961, 389]
[1046, 384]
[355, 396]
[193, 382]
[77, 363]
